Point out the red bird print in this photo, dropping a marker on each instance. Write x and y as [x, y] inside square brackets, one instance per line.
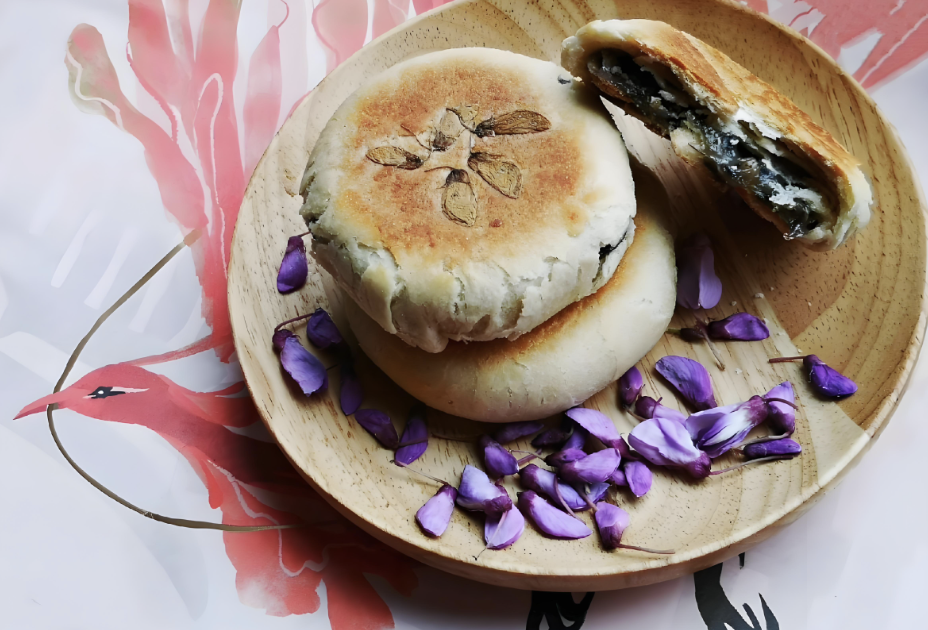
[278, 570]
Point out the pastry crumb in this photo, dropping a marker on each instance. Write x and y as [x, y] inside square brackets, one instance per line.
[759, 296]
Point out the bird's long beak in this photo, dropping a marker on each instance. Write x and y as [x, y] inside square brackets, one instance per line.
[61, 398]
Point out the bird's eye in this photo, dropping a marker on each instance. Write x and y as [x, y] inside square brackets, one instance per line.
[105, 392]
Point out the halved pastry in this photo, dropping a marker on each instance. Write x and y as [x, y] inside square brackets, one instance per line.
[750, 136]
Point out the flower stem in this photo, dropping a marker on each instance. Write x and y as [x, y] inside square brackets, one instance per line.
[290, 321]
[645, 549]
[304, 234]
[426, 475]
[560, 499]
[759, 460]
[784, 359]
[453, 439]
[702, 327]
[780, 400]
[586, 497]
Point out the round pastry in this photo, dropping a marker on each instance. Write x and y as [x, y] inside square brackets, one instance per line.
[560, 363]
[469, 195]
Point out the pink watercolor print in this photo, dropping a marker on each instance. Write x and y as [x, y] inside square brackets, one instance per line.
[201, 171]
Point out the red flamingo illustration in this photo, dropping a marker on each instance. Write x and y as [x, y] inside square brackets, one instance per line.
[201, 169]
[901, 24]
[278, 570]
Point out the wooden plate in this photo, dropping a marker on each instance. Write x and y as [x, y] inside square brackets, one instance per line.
[861, 308]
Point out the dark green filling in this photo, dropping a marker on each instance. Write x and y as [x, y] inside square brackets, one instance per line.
[737, 162]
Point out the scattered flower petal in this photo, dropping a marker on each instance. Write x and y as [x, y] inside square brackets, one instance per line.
[378, 424]
[638, 477]
[739, 327]
[828, 381]
[697, 285]
[618, 478]
[690, 379]
[594, 468]
[597, 424]
[577, 439]
[350, 395]
[551, 520]
[611, 521]
[280, 336]
[512, 431]
[630, 385]
[415, 437]
[667, 443]
[434, 516]
[479, 494]
[648, 408]
[784, 449]
[564, 456]
[293, 267]
[715, 431]
[542, 481]
[502, 531]
[322, 331]
[498, 461]
[781, 418]
[301, 365]
[551, 437]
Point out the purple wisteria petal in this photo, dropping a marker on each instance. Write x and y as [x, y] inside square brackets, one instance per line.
[597, 424]
[667, 443]
[378, 424]
[415, 437]
[551, 520]
[350, 395]
[690, 379]
[611, 521]
[479, 494]
[302, 366]
[542, 481]
[697, 285]
[715, 431]
[503, 530]
[498, 461]
[739, 327]
[828, 381]
[434, 516]
[594, 468]
[293, 268]
[784, 448]
[648, 408]
[577, 439]
[563, 456]
[781, 418]
[638, 477]
[630, 385]
[512, 431]
[322, 331]
[645, 406]
[280, 336]
[618, 478]
[551, 437]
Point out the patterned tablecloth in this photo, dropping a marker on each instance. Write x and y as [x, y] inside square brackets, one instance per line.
[186, 95]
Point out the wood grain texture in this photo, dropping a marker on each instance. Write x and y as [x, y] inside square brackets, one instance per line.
[861, 308]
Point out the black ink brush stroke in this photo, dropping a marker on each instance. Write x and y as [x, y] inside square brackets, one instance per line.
[717, 611]
[555, 607]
